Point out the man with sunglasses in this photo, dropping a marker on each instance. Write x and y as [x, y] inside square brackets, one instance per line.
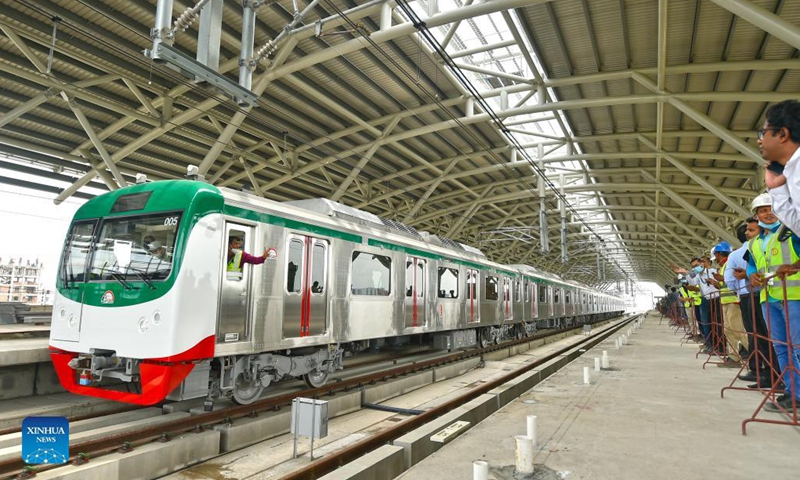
[779, 143]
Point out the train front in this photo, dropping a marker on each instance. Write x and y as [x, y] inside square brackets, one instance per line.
[135, 307]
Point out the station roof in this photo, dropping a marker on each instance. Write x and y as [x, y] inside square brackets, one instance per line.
[443, 115]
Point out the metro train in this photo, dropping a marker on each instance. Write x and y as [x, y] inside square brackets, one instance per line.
[147, 309]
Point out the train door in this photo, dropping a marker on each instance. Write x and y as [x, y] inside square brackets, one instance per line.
[306, 281]
[473, 299]
[508, 301]
[534, 299]
[415, 292]
[550, 292]
[233, 319]
[526, 300]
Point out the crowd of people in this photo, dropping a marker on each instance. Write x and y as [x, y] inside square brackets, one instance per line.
[746, 311]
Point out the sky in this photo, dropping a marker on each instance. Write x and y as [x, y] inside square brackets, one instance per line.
[33, 227]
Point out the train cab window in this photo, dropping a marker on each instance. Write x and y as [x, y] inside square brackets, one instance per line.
[371, 274]
[76, 251]
[318, 262]
[491, 288]
[415, 277]
[543, 294]
[448, 282]
[132, 248]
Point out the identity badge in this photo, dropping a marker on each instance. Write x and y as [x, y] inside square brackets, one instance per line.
[45, 440]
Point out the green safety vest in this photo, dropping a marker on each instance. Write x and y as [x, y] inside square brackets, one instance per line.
[767, 262]
[685, 294]
[726, 295]
[235, 265]
[696, 296]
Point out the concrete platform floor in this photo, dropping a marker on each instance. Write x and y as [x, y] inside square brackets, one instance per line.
[272, 458]
[655, 414]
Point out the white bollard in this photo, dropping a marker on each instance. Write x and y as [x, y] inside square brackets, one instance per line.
[605, 360]
[480, 470]
[596, 364]
[617, 343]
[586, 376]
[624, 340]
[532, 429]
[524, 456]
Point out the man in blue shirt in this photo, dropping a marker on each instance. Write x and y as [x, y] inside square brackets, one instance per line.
[750, 305]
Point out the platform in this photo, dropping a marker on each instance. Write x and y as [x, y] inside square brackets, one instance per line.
[655, 414]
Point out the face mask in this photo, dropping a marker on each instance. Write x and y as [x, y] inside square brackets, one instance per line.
[698, 268]
[769, 226]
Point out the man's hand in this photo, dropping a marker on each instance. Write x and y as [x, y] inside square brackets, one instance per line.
[773, 180]
[757, 280]
[739, 273]
[712, 282]
[718, 277]
[786, 270]
[269, 253]
[678, 269]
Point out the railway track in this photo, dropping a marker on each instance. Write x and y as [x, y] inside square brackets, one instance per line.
[130, 440]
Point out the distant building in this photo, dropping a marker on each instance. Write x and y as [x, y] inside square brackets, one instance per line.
[22, 282]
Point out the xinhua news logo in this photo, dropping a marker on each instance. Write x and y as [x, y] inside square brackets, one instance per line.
[45, 440]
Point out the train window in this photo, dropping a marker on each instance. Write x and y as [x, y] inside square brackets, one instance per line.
[76, 250]
[543, 294]
[448, 282]
[318, 263]
[527, 292]
[130, 248]
[415, 276]
[518, 291]
[566, 298]
[295, 268]
[556, 297]
[371, 274]
[491, 288]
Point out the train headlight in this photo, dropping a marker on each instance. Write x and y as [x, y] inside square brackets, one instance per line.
[73, 321]
[144, 324]
[156, 318]
[62, 313]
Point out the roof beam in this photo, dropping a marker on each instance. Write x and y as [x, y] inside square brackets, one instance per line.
[763, 19]
[677, 198]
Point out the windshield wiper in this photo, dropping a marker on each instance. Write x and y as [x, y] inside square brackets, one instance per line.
[118, 277]
[142, 276]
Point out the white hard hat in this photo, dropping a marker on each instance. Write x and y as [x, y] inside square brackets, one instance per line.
[763, 200]
[155, 245]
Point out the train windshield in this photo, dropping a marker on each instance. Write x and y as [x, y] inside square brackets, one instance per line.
[76, 250]
[137, 248]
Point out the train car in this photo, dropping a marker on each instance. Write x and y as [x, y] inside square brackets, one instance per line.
[151, 302]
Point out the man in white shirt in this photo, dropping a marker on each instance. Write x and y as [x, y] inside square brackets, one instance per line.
[779, 143]
[711, 307]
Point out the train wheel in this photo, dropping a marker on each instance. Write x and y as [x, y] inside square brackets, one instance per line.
[315, 379]
[246, 391]
[483, 338]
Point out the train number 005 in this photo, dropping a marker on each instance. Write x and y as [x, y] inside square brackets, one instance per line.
[171, 221]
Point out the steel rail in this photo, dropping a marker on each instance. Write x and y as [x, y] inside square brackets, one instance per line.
[126, 441]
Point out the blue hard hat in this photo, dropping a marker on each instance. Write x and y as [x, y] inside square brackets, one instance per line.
[723, 247]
